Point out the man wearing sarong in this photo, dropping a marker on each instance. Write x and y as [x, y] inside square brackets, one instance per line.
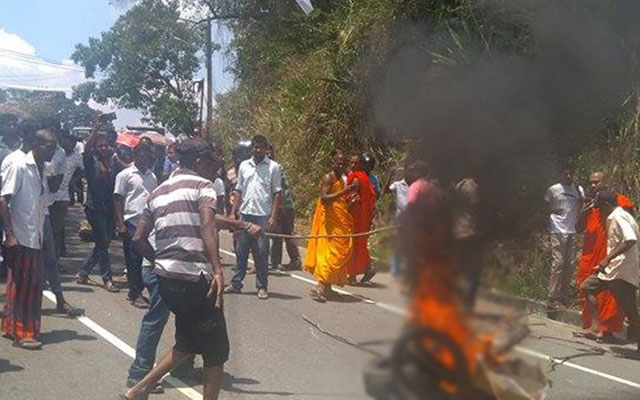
[327, 258]
[594, 250]
[363, 203]
[23, 216]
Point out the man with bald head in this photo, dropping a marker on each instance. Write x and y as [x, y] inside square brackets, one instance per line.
[594, 250]
[22, 210]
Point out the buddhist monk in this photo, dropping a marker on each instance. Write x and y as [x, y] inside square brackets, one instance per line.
[327, 258]
[594, 251]
[363, 203]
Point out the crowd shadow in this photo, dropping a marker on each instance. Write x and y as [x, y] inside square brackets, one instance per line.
[6, 366]
[63, 335]
[272, 295]
[80, 289]
[625, 352]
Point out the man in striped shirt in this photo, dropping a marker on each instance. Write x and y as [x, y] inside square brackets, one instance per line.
[182, 212]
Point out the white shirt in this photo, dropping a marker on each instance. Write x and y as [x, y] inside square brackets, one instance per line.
[258, 185]
[218, 186]
[566, 199]
[622, 227]
[135, 186]
[4, 152]
[54, 167]
[9, 160]
[23, 182]
[401, 189]
[72, 163]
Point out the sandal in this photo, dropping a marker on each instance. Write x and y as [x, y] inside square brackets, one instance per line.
[66, 308]
[317, 296]
[110, 287]
[28, 344]
[368, 275]
[82, 280]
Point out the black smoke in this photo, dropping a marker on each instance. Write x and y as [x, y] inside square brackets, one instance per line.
[514, 109]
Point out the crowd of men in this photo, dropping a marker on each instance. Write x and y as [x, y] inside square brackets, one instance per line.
[167, 211]
[608, 269]
[167, 207]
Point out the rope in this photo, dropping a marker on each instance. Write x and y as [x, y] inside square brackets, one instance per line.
[352, 235]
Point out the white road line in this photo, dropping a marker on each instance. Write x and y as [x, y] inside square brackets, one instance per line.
[128, 350]
[402, 312]
[543, 356]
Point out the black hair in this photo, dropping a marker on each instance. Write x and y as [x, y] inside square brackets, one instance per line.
[369, 160]
[259, 140]
[606, 197]
[143, 146]
[27, 129]
[336, 151]
[189, 150]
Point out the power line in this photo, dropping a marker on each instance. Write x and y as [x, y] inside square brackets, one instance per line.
[38, 58]
[34, 60]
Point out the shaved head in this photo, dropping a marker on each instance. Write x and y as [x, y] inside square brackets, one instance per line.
[598, 182]
[599, 175]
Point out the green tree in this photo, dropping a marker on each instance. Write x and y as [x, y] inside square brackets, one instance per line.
[146, 61]
[48, 105]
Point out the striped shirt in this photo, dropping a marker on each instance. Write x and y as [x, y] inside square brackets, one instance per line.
[173, 208]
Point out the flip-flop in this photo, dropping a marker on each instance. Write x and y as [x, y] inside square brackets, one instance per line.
[28, 344]
[368, 275]
[317, 296]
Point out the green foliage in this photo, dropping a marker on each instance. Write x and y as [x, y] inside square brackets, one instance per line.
[47, 105]
[146, 61]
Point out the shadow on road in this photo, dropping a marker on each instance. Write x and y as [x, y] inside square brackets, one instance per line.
[272, 295]
[80, 289]
[6, 366]
[64, 335]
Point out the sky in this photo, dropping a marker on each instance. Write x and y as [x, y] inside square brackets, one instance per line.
[37, 38]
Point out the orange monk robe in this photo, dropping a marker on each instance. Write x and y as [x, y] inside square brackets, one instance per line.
[594, 250]
[362, 213]
[327, 258]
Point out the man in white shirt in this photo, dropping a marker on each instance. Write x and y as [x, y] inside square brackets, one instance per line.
[258, 196]
[22, 210]
[564, 201]
[58, 210]
[401, 189]
[132, 189]
[619, 272]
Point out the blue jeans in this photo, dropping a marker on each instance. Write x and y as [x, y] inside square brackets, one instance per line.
[102, 225]
[259, 247]
[151, 329]
[134, 264]
[153, 324]
[50, 267]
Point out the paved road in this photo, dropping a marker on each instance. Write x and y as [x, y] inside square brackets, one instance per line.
[276, 354]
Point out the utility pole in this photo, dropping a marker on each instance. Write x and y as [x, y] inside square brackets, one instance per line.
[208, 53]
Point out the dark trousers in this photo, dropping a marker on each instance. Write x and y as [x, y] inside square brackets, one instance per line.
[58, 213]
[286, 221]
[102, 226]
[469, 263]
[76, 192]
[133, 260]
